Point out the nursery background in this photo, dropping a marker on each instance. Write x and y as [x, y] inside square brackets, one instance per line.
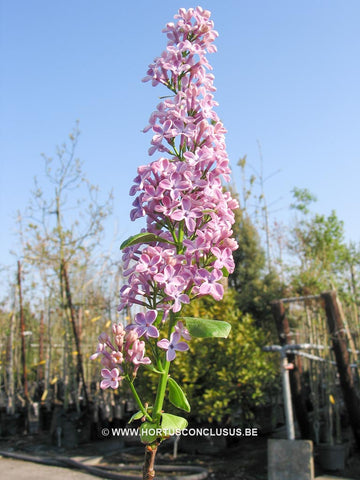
[73, 107]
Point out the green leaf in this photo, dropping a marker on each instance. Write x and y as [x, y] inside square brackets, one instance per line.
[144, 237]
[203, 327]
[151, 368]
[225, 272]
[172, 423]
[176, 396]
[149, 432]
[136, 416]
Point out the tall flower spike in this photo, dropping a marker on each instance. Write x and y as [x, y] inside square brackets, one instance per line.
[186, 246]
[180, 193]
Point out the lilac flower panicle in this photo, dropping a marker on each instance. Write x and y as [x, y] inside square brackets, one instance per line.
[187, 244]
[180, 193]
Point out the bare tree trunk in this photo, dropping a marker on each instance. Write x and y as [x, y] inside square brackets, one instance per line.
[41, 348]
[76, 336]
[66, 348]
[48, 355]
[10, 408]
[80, 323]
[338, 336]
[149, 463]
[22, 332]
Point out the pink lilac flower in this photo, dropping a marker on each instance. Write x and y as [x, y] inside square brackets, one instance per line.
[111, 378]
[172, 345]
[176, 184]
[182, 331]
[137, 352]
[143, 324]
[125, 357]
[175, 292]
[99, 351]
[208, 283]
[136, 355]
[224, 258]
[189, 213]
[148, 263]
[169, 276]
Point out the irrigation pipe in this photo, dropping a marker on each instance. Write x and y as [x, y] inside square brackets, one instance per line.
[195, 473]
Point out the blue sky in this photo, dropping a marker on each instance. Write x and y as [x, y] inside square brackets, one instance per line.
[287, 75]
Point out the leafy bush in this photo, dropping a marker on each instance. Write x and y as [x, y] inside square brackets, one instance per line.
[225, 379]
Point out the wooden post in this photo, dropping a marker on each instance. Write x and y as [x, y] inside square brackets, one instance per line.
[338, 336]
[22, 333]
[297, 393]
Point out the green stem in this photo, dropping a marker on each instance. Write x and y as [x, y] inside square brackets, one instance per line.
[180, 246]
[172, 321]
[177, 154]
[153, 350]
[172, 231]
[160, 394]
[137, 399]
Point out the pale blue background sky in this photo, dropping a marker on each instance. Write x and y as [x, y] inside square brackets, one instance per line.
[287, 74]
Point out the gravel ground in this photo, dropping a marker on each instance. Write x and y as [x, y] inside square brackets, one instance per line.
[19, 470]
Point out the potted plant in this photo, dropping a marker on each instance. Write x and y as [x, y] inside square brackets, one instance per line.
[332, 453]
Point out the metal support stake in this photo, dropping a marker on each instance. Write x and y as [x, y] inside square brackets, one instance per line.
[283, 350]
[290, 430]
